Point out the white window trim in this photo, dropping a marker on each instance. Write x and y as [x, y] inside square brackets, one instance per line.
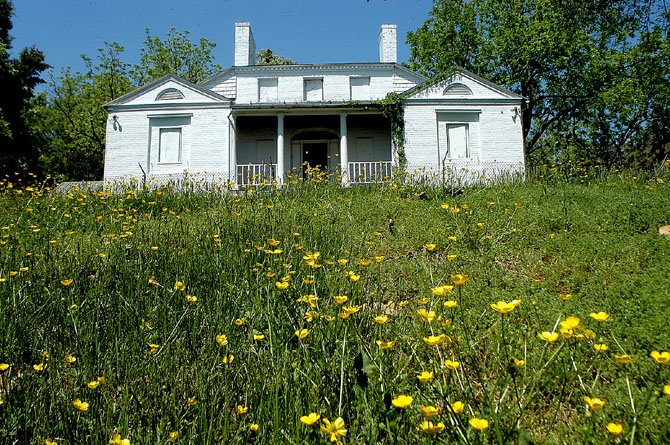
[276, 86]
[468, 154]
[351, 87]
[181, 145]
[304, 88]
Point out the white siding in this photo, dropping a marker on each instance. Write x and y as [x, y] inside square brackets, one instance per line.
[190, 95]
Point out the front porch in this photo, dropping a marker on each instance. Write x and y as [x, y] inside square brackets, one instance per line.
[286, 145]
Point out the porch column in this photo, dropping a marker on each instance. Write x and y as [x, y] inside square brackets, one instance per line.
[232, 171]
[279, 175]
[344, 150]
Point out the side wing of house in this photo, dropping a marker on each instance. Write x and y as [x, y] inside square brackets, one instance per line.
[166, 128]
[464, 126]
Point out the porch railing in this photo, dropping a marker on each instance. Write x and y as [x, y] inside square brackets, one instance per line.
[369, 172]
[255, 174]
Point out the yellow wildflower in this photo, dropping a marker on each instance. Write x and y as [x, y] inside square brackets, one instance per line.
[428, 316]
[660, 357]
[241, 410]
[441, 291]
[80, 406]
[385, 344]
[459, 279]
[70, 358]
[66, 282]
[351, 309]
[451, 364]
[222, 340]
[334, 428]
[478, 424]
[430, 246]
[39, 367]
[570, 323]
[601, 347]
[364, 262]
[191, 298]
[431, 428]
[281, 285]
[565, 297]
[310, 419]
[153, 348]
[381, 319]
[666, 390]
[425, 376]
[428, 411]
[623, 358]
[340, 299]
[457, 407]
[4, 367]
[239, 322]
[549, 337]
[402, 401]
[228, 359]
[259, 337]
[434, 340]
[518, 363]
[450, 304]
[116, 440]
[615, 429]
[503, 307]
[254, 427]
[179, 286]
[599, 316]
[192, 401]
[174, 435]
[594, 403]
[302, 333]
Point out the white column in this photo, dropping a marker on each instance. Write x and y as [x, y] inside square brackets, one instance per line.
[232, 172]
[280, 150]
[344, 150]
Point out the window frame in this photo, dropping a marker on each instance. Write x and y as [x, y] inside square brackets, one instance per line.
[352, 79]
[163, 130]
[275, 96]
[448, 152]
[305, 81]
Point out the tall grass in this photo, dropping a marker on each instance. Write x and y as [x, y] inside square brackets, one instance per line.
[150, 365]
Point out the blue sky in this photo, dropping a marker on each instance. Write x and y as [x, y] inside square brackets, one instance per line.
[308, 31]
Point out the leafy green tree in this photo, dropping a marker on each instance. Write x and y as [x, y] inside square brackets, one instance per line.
[268, 57]
[178, 55]
[573, 61]
[18, 77]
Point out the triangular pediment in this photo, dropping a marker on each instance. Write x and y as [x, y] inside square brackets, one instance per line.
[168, 89]
[461, 85]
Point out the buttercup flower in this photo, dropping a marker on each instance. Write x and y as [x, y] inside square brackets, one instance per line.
[425, 376]
[116, 440]
[457, 407]
[191, 298]
[478, 424]
[259, 337]
[599, 316]
[66, 282]
[302, 333]
[334, 428]
[428, 411]
[503, 307]
[660, 357]
[79, 405]
[441, 291]
[39, 367]
[666, 390]
[239, 409]
[615, 429]
[310, 419]
[601, 347]
[431, 428]
[430, 246]
[385, 344]
[353, 277]
[254, 427]
[518, 363]
[459, 279]
[402, 401]
[565, 297]
[174, 435]
[340, 299]
[222, 340]
[69, 358]
[228, 359]
[4, 367]
[192, 401]
[281, 285]
[549, 337]
[450, 304]
[434, 340]
[450, 364]
[426, 315]
[381, 319]
[179, 286]
[239, 322]
[153, 348]
[594, 403]
[623, 358]
[570, 323]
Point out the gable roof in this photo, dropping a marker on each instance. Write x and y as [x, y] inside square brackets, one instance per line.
[161, 81]
[460, 70]
[310, 67]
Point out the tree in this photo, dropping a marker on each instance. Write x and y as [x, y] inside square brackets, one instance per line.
[18, 77]
[267, 57]
[175, 55]
[572, 61]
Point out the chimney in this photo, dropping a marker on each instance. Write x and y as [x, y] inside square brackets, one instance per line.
[245, 47]
[388, 52]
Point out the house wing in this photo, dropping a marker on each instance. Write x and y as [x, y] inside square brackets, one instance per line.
[463, 84]
[169, 89]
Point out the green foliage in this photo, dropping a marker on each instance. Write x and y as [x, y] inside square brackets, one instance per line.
[392, 109]
[594, 74]
[267, 57]
[18, 77]
[177, 55]
[596, 240]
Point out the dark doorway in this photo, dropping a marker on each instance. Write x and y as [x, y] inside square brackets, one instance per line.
[314, 155]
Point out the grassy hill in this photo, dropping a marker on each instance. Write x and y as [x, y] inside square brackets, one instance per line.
[208, 318]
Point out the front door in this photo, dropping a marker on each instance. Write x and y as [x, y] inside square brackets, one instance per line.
[314, 155]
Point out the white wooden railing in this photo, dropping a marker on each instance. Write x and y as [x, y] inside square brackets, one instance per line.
[369, 172]
[255, 174]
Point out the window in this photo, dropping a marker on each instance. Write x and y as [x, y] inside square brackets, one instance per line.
[457, 141]
[169, 151]
[457, 89]
[314, 89]
[360, 88]
[267, 90]
[170, 94]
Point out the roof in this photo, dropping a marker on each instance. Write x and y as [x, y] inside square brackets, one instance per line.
[313, 67]
[165, 79]
[435, 80]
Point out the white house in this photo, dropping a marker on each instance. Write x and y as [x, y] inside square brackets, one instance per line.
[250, 123]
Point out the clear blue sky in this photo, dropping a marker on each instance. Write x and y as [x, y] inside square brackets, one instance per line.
[307, 31]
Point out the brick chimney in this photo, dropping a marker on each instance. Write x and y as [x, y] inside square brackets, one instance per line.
[245, 46]
[388, 50]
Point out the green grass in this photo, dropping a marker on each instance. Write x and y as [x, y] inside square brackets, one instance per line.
[595, 239]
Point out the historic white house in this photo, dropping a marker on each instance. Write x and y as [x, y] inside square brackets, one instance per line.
[250, 123]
